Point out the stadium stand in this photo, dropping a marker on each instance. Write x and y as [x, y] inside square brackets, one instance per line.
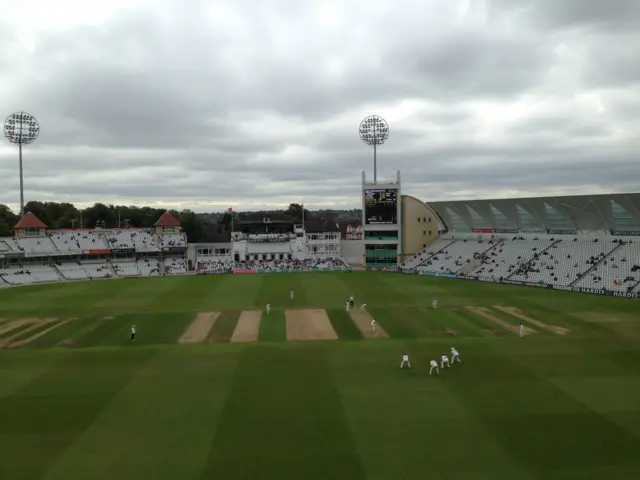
[619, 271]
[507, 257]
[422, 257]
[175, 266]
[456, 255]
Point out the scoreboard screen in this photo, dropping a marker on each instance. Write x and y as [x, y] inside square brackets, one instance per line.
[381, 206]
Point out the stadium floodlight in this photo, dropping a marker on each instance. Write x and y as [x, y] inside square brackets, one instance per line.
[374, 131]
[21, 128]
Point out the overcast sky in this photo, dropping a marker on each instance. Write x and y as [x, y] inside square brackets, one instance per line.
[251, 103]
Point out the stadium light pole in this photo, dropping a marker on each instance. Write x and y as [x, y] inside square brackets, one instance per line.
[21, 128]
[374, 131]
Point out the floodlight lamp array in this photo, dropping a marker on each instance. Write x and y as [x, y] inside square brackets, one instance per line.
[374, 130]
[21, 128]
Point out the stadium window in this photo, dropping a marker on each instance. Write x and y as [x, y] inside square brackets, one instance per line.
[418, 219]
[429, 232]
[429, 218]
[424, 245]
[424, 233]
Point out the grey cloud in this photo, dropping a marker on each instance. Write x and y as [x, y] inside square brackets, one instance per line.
[162, 105]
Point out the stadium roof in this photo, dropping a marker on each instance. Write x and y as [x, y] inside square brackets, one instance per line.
[30, 221]
[167, 220]
[617, 212]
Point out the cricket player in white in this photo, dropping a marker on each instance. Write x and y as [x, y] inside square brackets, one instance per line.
[444, 360]
[434, 303]
[373, 325]
[434, 366]
[363, 306]
[351, 301]
[405, 361]
[455, 356]
[521, 330]
[133, 333]
[347, 306]
[291, 295]
[268, 308]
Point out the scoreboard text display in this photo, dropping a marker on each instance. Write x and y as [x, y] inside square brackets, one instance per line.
[381, 206]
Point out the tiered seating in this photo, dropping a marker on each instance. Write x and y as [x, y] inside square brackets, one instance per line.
[149, 267]
[76, 241]
[172, 241]
[29, 274]
[97, 270]
[564, 262]
[427, 253]
[43, 273]
[455, 256]
[37, 245]
[217, 265]
[175, 265]
[126, 269]
[16, 276]
[8, 245]
[144, 241]
[507, 257]
[72, 271]
[617, 272]
[121, 239]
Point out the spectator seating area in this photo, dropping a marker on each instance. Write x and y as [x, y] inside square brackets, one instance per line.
[455, 256]
[564, 262]
[84, 271]
[422, 257]
[618, 272]
[507, 257]
[73, 242]
[217, 265]
[175, 266]
[29, 275]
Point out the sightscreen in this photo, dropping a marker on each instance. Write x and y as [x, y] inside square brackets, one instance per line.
[381, 206]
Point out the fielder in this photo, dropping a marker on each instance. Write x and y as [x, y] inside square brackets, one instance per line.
[362, 307]
[444, 360]
[291, 295]
[455, 356]
[347, 305]
[521, 330]
[434, 303]
[405, 361]
[268, 308]
[434, 366]
[351, 301]
[133, 333]
[373, 325]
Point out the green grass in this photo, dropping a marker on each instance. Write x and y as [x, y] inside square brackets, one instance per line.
[549, 406]
[24, 334]
[273, 327]
[343, 324]
[222, 330]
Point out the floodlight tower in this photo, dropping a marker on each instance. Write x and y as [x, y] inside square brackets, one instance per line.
[21, 128]
[374, 131]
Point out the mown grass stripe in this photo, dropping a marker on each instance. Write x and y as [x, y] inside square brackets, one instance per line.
[391, 324]
[343, 324]
[296, 425]
[30, 333]
[273, 327]
[224, 327]
[16, 330]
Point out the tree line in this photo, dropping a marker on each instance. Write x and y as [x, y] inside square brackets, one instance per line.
[198, 227]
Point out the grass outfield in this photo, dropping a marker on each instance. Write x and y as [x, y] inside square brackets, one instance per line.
[79, 401]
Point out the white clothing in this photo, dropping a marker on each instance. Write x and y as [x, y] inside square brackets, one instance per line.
[444, 360]
[268, 307]
[347, 306]
[133, 330]
[373, 325]
[291, 295]
[521, 331]
[434, 303]
[405, 361]
[455, 356]
[363, 305]
[434, 365]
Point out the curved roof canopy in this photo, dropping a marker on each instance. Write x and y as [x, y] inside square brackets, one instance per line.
[618, 212]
